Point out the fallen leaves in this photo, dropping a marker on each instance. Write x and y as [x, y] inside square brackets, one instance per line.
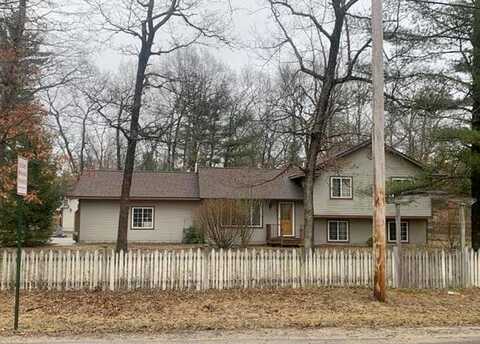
[83, 312]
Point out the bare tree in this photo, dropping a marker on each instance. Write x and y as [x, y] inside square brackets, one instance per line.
[142, 21]
[319, 53]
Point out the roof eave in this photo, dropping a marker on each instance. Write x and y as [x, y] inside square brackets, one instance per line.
[115, 198]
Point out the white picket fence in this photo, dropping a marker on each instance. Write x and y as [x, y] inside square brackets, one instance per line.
[202, 269]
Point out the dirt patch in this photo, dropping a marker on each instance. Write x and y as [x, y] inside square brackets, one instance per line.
[78, 312]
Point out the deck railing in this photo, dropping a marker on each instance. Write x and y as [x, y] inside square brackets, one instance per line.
[273, 233]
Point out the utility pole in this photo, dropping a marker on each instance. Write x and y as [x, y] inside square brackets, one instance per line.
[378, 150]
[398, 237]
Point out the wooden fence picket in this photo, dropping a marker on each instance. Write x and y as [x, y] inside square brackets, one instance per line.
[201, 269]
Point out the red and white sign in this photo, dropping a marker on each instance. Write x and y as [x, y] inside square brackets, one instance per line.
[22, 176]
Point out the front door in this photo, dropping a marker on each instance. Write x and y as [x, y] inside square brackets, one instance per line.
[286, 218]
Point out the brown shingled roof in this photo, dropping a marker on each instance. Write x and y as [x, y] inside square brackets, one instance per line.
[247, 183]
[230, 183]
[145, 185]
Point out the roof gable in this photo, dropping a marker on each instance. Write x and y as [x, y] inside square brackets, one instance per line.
[333, 159]
[388, 148]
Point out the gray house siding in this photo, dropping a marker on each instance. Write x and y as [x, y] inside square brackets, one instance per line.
[270, 217]
[360, 230]
[99, 221]
[358, 210]
[358, 166]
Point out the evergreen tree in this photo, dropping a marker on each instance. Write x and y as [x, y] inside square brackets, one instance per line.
[22, 130]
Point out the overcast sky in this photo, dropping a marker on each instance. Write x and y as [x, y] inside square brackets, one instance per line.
[250, 21]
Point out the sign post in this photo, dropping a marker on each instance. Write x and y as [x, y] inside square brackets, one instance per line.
[22, 182]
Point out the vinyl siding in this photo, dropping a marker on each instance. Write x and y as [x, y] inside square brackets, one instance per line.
[270, 216]
[361, 231]
[99, 221]
[358, 165]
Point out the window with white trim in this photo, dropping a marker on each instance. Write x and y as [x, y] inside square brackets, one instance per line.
[402, 181]
[398, 184]
[255, 216]
[142, 217]
[338, 230]
[341, 187]
[392, 231]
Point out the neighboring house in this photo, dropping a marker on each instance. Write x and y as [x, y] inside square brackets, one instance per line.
[163, 204]
[69, 207]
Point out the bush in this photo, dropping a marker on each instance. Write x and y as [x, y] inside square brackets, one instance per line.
[225, 222]
[192, 235]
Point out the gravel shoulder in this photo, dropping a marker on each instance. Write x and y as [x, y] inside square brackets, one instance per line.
[458, 335]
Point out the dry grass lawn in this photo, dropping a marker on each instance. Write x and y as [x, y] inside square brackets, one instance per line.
[55, 313]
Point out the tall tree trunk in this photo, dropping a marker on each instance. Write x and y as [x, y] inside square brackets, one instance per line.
[117, 138]
[309, 182]
[143, 57]
[320, 122]
[475, 149]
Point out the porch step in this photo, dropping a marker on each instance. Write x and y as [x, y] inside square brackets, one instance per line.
[279, 241]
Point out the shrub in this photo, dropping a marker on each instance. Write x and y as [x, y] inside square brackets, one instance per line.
[225, 222]
[193, 235]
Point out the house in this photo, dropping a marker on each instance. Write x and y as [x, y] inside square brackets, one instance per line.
[163, 204]
[68, 209]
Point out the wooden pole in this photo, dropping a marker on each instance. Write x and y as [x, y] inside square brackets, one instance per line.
[378, 150]
[461, 215]
[398, 237]
[19, 237]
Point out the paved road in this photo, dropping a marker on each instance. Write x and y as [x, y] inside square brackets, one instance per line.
[318, 336]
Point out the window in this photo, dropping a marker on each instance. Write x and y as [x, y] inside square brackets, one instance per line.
[392, 232]
[402, 181]
[341, 187]
[338, 231]
[142, 218]
[255, 216]
[397, 185]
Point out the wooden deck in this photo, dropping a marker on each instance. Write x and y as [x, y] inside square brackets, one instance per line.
[274, 239]
[285, 241]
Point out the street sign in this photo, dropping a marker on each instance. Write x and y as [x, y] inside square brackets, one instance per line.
[22, 176]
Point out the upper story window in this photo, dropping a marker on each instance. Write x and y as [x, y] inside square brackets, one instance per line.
[398, 184]
[392, 231]
[402, 180]
[142, 217]
[341, 187]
